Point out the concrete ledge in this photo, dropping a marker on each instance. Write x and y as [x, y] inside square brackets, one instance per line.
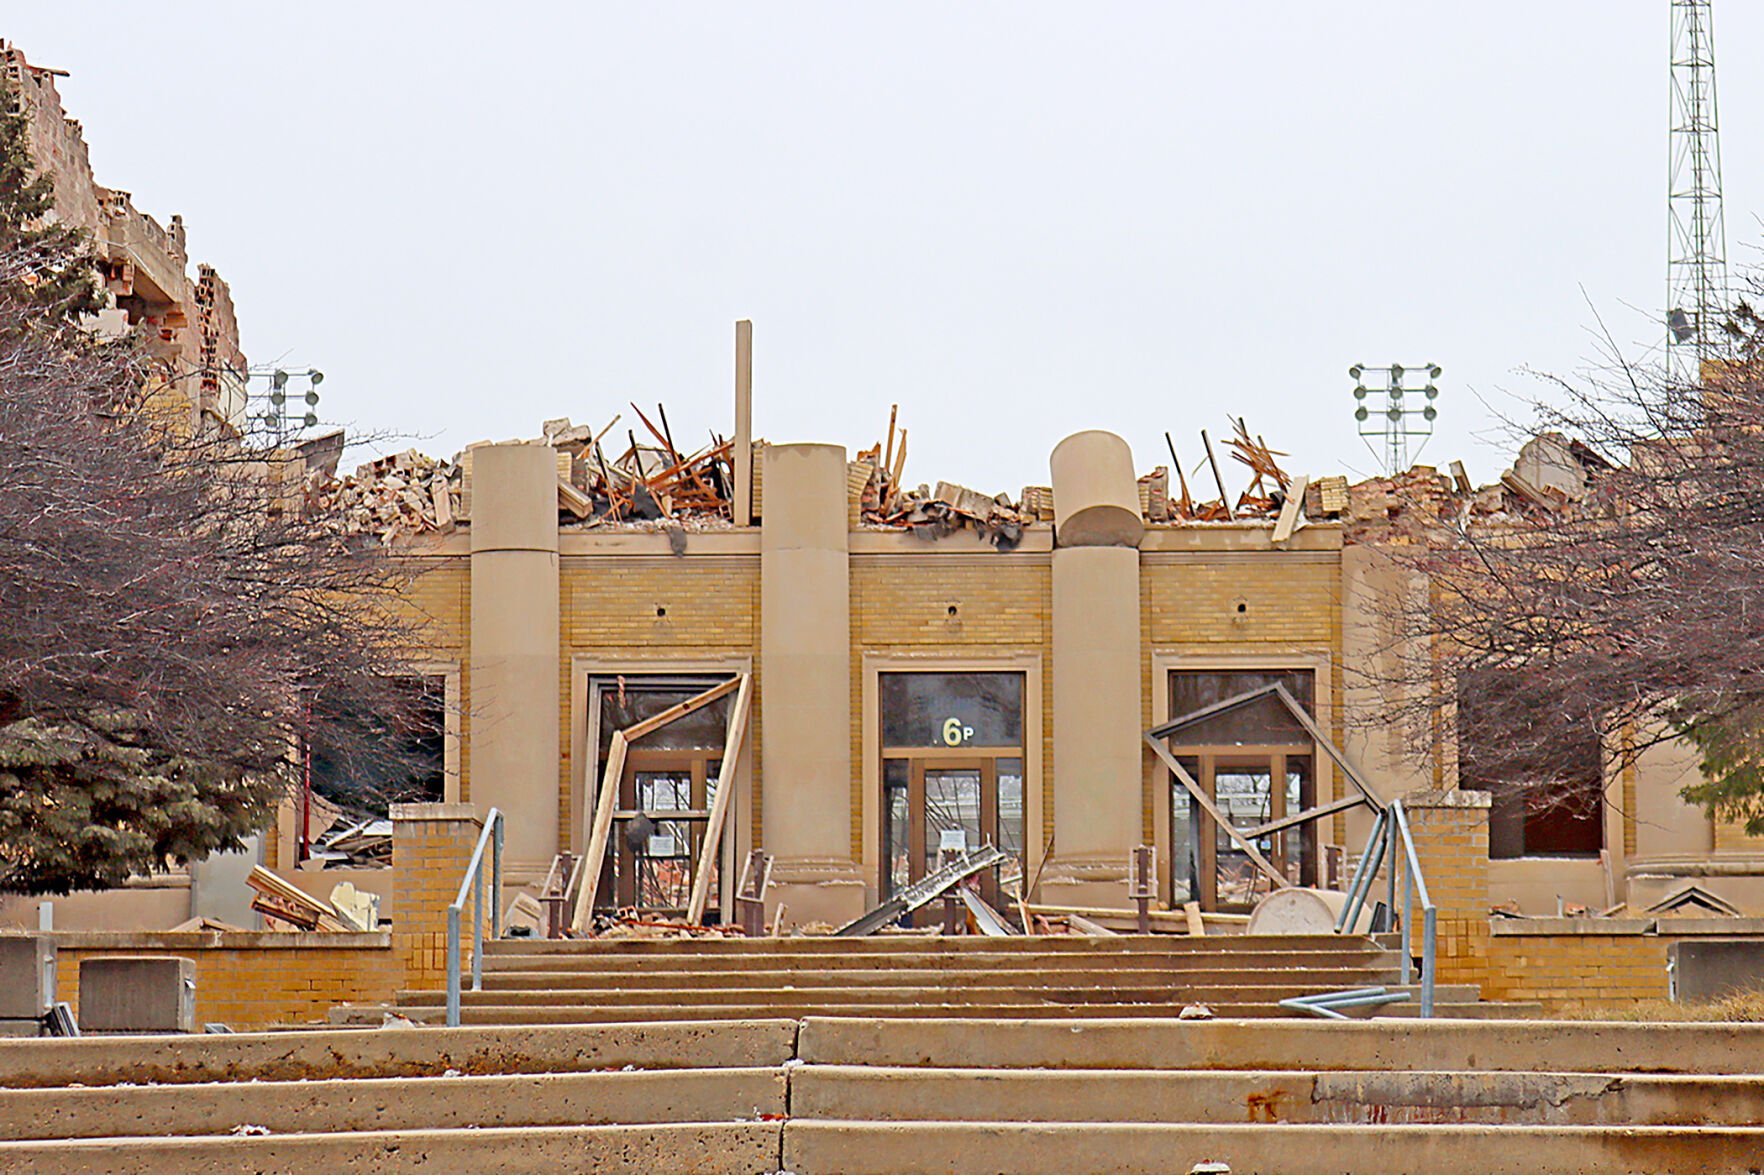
[860, 1148]
[881, 1094]
[231, 940]
[736, 1148]
[395, 1103]
[427, 1052]
[1514, 1045]
[1664, 927]
[1547, 927]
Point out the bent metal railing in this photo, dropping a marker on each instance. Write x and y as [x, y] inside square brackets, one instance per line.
[473, 886]
[1390, 834]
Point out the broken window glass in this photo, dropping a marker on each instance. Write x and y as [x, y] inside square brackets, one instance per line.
[952, 709]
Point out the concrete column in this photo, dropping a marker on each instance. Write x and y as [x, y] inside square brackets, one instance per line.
[805, 684]
[1097, 762]
[514, 682]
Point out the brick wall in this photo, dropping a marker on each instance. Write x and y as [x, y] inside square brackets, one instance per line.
[1451, 843]
[431, 846]
[1291, 609]
[640, 608]
[251, 980]
[900, 604]
[1577, 964]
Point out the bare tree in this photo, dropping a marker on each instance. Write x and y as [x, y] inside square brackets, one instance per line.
[172, 621]
[1623, 612]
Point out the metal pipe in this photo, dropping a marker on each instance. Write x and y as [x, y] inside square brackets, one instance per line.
[1408, 935]
[496, 822]
[1364, 874]
[453, 966]
[1390, 833]
[478, 931]
[1428, 939]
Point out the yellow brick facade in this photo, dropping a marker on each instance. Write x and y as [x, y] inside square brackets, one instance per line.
[255, 981]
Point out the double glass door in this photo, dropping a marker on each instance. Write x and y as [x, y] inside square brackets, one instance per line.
[1252, 787]
[955, 804]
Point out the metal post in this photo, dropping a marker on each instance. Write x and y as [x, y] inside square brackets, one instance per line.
[452, 967]
[1408, 938]
[1391, 856]
[1427, 960]
[496, 823]
[1364, 873]
[478, 928]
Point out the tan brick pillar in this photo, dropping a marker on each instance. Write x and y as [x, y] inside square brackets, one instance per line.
[805, 685]
[1097, 710]
[431, 846]
[1451, 841]
[515, 691]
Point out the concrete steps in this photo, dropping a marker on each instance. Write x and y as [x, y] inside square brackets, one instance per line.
[902, 1095]
[623, 980]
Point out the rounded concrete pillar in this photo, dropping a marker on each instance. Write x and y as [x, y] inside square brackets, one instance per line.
[1096, 671]
[1096, 495]
[805, 684]
[514, 662]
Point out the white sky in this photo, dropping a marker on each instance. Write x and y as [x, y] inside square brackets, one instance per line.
[1015, 219]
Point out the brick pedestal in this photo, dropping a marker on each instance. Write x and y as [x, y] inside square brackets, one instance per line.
[1451, 839]
[431, 846]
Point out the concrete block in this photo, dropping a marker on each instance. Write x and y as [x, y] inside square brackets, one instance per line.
[1708, 969]
[27, 980]
[138, 993]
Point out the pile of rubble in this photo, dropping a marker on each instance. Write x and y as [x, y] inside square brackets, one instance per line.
[410, 493]
[393, 497]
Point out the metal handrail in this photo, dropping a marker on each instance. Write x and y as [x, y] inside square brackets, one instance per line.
[473, 884]
[1390, 831]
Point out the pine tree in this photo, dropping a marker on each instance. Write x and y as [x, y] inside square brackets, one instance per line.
[52, 263]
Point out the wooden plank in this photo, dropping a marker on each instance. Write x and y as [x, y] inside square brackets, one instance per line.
[1084, 925]
[698, 702]
[1289, 509]
[1309, 814]
[1224, 496]
[1192, 912]
[1461, 478]
[713, 831]
[1212, 810]
[603, 818]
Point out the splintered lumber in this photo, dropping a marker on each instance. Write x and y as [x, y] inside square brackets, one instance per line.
[922, 892]
[288, 903]
[1289, 509]
[1082, 925]
[606, 801]
[713, 829]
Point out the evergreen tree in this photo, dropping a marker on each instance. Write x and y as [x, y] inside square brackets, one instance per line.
[52, 264]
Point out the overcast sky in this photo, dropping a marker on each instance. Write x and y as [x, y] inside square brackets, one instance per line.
[1016, 220]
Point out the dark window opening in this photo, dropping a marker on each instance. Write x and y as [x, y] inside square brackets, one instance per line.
[383, 759]
[1559, 817]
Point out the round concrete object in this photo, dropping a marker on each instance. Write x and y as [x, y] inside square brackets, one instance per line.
[1096, 497]
[1298, 911]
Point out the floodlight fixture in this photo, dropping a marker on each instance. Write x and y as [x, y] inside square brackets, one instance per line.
[1380, 409]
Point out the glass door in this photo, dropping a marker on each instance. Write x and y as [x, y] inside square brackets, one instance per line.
[954, 804]
[664, 804]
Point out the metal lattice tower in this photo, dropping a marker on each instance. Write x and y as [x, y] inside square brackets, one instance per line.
[1696, 258]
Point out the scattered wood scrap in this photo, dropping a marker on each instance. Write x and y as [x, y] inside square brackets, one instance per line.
[279, 901]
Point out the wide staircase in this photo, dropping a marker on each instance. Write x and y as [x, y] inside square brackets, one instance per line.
[536, 981]
[896, 1095]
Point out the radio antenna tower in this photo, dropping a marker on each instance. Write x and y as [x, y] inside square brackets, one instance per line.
[1696, 257]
